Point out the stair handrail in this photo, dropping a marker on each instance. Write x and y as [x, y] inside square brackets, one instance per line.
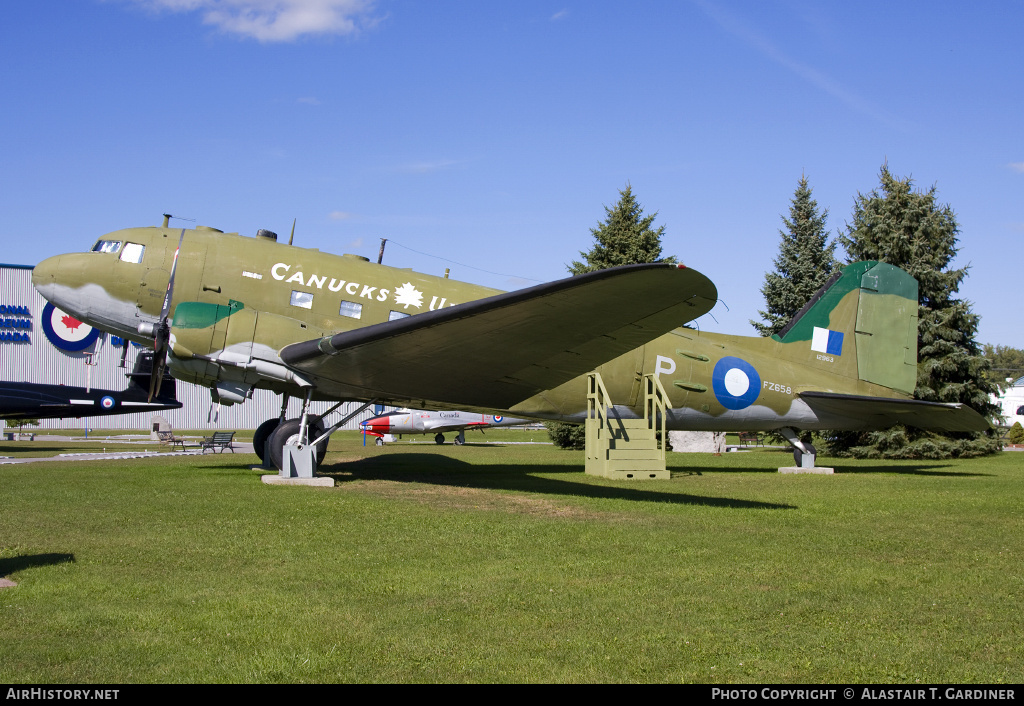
[597, 409]
[655, 399]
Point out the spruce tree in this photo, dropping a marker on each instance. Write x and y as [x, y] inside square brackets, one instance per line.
[910, 229]
[625, 237]
[805, 262]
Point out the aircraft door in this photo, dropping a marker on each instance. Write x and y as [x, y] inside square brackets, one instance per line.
[637, 389]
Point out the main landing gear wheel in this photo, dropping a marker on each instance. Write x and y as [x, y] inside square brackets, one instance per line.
[380, 441]
[288, 433]
[439, 439]
[460, 439]
[263, 432]
[798, 455]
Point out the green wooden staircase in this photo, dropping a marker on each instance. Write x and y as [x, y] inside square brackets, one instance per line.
[626, 448]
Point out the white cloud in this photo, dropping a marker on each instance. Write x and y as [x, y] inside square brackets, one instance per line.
[560, 15]
[1017, 166]
[309, 100]
[275, 20]
[339, 215]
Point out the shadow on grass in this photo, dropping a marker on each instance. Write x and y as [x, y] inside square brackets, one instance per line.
[443, 470]
[30, 561]
[911, 471]
[935, 470]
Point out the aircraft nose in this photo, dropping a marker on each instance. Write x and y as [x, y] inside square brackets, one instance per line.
[376, 424]
[44, 276]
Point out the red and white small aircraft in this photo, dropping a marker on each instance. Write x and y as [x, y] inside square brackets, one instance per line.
[418, 421]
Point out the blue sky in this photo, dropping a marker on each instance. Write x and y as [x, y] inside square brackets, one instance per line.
[487, 137]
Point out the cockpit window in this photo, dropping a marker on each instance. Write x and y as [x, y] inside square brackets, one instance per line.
[395, 315]
[107, 246]
[132, 252]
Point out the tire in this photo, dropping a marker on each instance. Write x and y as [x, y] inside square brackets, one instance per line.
[380, 441]
[263, 432]
[439, 439]
[288, 431]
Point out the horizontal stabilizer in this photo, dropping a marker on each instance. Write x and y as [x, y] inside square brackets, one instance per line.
[883, 412]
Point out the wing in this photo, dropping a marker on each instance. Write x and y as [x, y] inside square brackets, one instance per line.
[494, 352]
[882, 412]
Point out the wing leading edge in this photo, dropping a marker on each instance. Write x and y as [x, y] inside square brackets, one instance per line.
[494, 352]
[882, 412]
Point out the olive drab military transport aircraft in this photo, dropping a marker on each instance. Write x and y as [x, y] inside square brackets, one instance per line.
[235, 313]
[422, 421]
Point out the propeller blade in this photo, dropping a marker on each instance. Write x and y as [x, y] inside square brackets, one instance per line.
[162, 334]
[166, 308]
[161, 338]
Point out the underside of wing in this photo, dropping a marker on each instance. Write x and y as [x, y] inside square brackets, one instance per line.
[853, 411]
[494, 352]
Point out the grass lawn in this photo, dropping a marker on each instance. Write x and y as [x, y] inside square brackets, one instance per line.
[506, 563]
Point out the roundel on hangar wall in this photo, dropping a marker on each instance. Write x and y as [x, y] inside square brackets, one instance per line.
[66, 332]
[735, 382]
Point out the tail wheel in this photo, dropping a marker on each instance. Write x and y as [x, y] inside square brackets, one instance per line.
[262, 433]
[288, 433]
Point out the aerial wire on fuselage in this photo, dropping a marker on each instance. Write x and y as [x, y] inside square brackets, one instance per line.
[460, 264]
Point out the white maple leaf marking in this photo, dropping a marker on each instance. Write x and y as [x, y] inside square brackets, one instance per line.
[408, 294]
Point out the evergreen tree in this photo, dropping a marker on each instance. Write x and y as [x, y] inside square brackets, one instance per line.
[624, 238]
[1006, 363]
[911, 230]
[806, 260]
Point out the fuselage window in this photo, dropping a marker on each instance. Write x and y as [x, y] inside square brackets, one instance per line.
[302, 299]
[1020, 410]
[107, 246]
[395, 315]
[351, 310]
[132, 252]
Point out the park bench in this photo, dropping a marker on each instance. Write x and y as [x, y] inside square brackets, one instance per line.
[168, 437]
[220, 440]
[751, 437]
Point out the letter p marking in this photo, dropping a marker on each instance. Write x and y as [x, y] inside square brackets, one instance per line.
[664, 365]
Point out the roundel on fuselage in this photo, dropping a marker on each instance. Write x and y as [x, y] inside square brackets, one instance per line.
[735, 382]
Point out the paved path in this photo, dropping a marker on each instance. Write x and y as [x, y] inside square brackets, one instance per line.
[239, 447]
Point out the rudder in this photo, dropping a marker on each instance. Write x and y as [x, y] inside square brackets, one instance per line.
[867, 315]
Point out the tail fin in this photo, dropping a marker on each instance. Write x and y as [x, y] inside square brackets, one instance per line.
[863, 321]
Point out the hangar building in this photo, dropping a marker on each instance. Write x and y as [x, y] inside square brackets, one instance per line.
[40, 344]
